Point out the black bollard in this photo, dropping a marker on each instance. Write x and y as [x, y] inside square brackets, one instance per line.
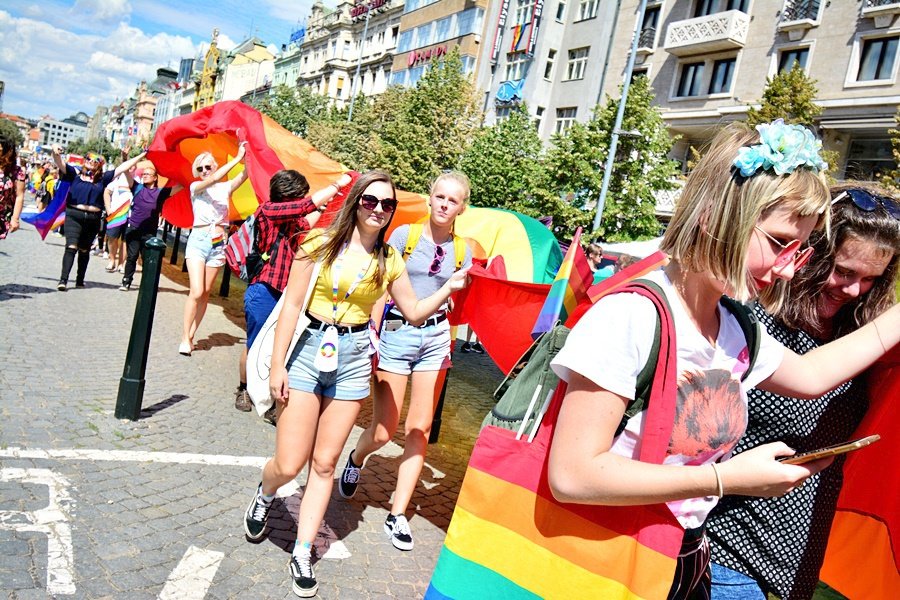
[436, 420]
[175, 243]
[167, 227]
[225, 286]
[131, 385]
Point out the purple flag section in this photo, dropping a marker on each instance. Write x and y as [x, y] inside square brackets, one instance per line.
[48, 220]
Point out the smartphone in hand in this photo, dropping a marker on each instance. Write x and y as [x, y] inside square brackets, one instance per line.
[812, 455]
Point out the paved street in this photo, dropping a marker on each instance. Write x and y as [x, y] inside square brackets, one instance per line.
[95, 507]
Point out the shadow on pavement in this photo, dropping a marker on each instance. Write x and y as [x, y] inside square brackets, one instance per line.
[155, 408]
[17, 291]
[217, 340]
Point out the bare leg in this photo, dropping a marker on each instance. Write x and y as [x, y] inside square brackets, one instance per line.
[208, 282]
[196, 276]
[422, 402]
[294, 437]
[390, 388]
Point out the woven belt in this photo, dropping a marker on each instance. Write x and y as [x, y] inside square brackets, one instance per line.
[429, 321]
[315, 323]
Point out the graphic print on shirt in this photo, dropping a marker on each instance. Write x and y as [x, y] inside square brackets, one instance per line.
[710, 416]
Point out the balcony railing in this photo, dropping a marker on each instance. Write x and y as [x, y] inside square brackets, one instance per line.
[710, 33]
[801, 10]
[666, 199]
[647, 40]
[882, 11]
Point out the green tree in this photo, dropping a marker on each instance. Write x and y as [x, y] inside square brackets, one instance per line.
[789, 95]
[8, 130]
[101, 146]
[892, 178]
[577, 159]
[294, 109]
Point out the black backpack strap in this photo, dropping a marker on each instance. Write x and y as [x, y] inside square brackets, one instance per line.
[644, 383]
[749, 326]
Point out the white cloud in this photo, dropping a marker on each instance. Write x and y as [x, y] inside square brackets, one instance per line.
[106, 11]
[51, 70]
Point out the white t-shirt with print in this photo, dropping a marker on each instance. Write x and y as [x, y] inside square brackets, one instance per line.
[211, 204]
[611, 344]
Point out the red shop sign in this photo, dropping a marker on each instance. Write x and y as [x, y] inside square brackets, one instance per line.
[417, 56]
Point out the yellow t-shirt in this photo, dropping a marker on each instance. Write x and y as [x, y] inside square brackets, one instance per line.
[358, 306]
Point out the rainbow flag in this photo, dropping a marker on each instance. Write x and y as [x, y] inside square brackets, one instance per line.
[518, 32]
[568, 289]
[118, 216]
[54, 215]
[218, 240]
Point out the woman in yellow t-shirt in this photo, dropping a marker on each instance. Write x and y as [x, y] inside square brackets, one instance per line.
[319, 389]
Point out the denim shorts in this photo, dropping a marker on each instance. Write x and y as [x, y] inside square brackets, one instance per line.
[351, 379]
[728, 584]
[410, 348]
[199, 246]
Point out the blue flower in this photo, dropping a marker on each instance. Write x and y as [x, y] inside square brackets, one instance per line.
[783, 148]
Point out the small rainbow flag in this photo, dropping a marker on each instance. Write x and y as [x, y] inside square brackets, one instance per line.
[118, 216]
[218, 240]
[568, 289]
[518, 32]
[54, 215]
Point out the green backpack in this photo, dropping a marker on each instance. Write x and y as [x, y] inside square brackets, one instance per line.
[524, 393]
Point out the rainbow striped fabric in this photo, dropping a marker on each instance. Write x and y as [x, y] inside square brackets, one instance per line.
[119, 216]
[510, 538]
[218, 240]
[568, 289]
[54, 215]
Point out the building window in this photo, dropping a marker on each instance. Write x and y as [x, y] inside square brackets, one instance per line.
[516, 66]
[800, 10]
[565, 118]
[722, 72]
[560, 11]
[502, 113]
[639, 72]
[523, 12]
[711, 7]
[442, 29]
[877, 57]
[395, 31]
[405, 43]
[788, 59]
[469, 21]
[869, 160]
[691, 79]
[587, 9]
[340, 87]
[538, 117]
[577, 62]
[548, 68]
[648, 28]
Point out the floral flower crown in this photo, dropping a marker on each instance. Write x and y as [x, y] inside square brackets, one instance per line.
[783, 149]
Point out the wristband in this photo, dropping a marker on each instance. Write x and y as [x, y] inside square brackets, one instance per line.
[720, 489]
[322, 208]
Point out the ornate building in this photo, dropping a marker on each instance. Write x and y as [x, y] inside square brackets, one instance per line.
[209, 74]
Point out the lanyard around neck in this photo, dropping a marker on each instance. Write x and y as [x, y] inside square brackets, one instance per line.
[335, 279]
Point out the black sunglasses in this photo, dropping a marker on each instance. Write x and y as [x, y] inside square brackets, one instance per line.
[202, 168]
[868, 202]
[369, 202]
[436, 263]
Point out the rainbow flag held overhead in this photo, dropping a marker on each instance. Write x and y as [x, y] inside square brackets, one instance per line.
[54, 215]
[118, 216]
[568, 289]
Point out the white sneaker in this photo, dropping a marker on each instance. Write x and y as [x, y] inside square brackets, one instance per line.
[397, 527]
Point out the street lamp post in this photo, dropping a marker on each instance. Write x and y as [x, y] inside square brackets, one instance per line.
[620, 114]
[359, 63]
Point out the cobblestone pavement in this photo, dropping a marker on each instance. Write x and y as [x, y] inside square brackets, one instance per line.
[96, 507]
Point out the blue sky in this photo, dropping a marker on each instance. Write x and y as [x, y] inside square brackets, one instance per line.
[60, 57]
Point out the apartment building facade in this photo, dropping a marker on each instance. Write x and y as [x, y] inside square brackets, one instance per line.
[708, 61]
[354, 35]
[549, 55]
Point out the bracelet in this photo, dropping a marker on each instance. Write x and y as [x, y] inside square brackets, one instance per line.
[878, 334]
[720, 489]
[336, 186]
[322, 208]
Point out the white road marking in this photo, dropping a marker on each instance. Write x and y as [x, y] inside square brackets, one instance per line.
[192, 576]
[51, 520]
[182, 458]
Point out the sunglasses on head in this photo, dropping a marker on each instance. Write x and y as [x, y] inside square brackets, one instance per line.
[435, 267]
[789, 253]
[203, 168]
[868, 202]
[369, 202]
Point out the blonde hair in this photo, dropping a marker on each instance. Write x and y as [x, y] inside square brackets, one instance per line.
[456, 176]
[718, 209]
[203, 157]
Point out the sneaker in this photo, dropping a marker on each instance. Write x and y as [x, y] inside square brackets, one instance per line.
[466, 347]
[125, 287]
[79, 284]
[477, 348]
[398, 528]
[270, 416]
[305, 584]
[349, 478]
[61, 286]
[256, 516]
[242, 401]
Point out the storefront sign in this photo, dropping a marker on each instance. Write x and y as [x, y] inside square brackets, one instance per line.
[359, 11]
[535, 23]
[418, 56]
[498, 34]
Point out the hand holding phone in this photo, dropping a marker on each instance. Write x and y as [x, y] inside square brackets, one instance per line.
[804, 457]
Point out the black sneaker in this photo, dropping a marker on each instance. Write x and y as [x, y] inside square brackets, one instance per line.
[349, 478]
[256, 516]
[477, 348]
[398, 528]
[61, 286]
[125, 287]
[305, 584]
[79, 284]
[466, 347]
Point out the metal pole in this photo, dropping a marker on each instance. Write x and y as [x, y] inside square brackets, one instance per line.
[176, 241]
[614, 138]
[225, 286]
[358, 63]
[131, 385]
